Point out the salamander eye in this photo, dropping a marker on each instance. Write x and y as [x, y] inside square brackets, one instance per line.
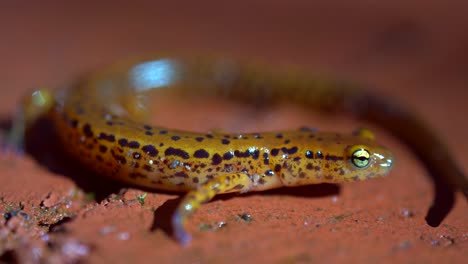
[360, 158]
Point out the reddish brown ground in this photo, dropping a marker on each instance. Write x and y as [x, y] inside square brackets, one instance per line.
[416, 53]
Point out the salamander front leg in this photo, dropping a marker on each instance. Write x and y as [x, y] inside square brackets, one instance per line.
[228, 183]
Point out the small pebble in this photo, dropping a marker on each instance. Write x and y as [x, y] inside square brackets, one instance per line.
[407, 213]
[123, 236]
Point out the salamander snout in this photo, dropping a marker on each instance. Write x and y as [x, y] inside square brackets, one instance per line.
[383, 159]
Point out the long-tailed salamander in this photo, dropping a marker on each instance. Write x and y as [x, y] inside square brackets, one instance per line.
[101, 122]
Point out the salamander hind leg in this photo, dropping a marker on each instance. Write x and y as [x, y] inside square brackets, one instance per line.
[237, 182]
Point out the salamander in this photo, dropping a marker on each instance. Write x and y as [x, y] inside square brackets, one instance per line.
[102, 123]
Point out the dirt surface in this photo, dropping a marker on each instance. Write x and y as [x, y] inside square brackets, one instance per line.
[416, 53]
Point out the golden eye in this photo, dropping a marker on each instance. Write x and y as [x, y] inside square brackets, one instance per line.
[360, 158]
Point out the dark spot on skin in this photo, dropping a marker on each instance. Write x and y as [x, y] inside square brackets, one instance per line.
[174, 164]
[240, 154]
[216, 159]
[317, 168]
[147, 127]
[87, 130]
[150, 150]
[195, 180]
[99, 158]
[287, 141]
[274, 152]
[228, 155]
[201, 153]
[308, 129]
[162, 132]
[109, 123]
[302, 175]
[176, 152]
[309, 154]
[148, 168]
[119, 158]
[319, 155]
[228, 168]
[181, 174]
[199, 139]
[227, 136]
[319, 139]
[210, 169]
[107, 137]
[297, 159]
[175, 138]
[311, 135]
[290, 151]
[329, 177]
[266, 159]
[279, 136]
[209, 136]
[161, 144]
[102, 148]
[255, 154]
[73, 123]
[327, 166]
[225, 141]
[261, 181]
[149, 133]
[209, 177]
[277, 168]
[269, 173]
[133, 144]
[309, 166]
[333, 158]
[123, 142]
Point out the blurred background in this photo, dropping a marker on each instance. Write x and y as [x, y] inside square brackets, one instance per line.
[414, 51]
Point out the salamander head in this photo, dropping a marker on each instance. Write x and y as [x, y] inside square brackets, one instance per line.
[353, 158]
[364, 161]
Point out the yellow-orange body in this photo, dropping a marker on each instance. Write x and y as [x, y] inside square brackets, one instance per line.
[101, 124]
